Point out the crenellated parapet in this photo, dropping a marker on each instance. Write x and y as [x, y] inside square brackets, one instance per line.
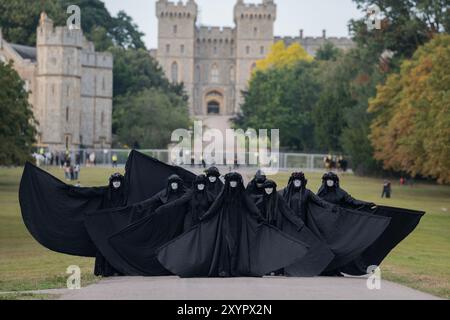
[267, 10]
[178, 10]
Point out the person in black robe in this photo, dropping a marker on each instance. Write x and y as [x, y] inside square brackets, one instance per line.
[174, 190]
[214, 185]
[276, 211]
[298, 196]
[255, 187]
[331, 192]
[346, 232]
[232, 240]
[73, 220]
[137, 244]
[116, 197]
[402, 223]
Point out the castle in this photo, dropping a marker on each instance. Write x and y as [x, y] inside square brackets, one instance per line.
[215, 64]
[70, 86]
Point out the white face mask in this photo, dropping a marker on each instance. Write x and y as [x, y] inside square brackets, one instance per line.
[233, 184]
[297, 183]
[212, 179]
[116, 184]
[269, 191]
[174, 186]
[330, 183]
[201, 187]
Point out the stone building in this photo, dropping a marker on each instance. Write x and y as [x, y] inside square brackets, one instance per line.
[214, 63]
[70, 86]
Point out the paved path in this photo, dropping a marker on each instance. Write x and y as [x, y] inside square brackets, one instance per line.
[269, 288]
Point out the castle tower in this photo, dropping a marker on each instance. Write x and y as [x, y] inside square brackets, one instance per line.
[58, 84]
[176, 42]
[254, 37]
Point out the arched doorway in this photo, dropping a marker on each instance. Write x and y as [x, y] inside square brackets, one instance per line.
[213, 107]
[214, 102]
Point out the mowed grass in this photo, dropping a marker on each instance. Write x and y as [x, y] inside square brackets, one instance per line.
[422, 261]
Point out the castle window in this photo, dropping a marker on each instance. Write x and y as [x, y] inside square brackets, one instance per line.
[103, 84]
[53, 89]
[174, 72]
[247, 49]
[68, 91]
[102, 118]
[175, 29]
[215, 74]
[197, 74]
[215, 50]
[182, 48]
[253, 67]
[67, 139]
[167, 48]
[67, 114]
[261, 50]
[255, 31]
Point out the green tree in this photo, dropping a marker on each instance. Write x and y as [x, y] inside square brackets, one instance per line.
[20, 18]
[17, 131]
[328, 52]
[411, 131]
[282, 98]
[147, 119]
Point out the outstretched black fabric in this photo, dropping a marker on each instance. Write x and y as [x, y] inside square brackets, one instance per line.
[276, 212]
[231, 241]
[146, 176]
[403, 223]
[53, 211]
[137, 244]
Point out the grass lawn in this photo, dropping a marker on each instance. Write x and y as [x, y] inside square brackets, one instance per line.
[422, 261]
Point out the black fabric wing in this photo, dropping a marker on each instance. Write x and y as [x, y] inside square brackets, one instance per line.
[53, 211]
[348, 233]
[147, 176]
[137, 244]
[403, 222]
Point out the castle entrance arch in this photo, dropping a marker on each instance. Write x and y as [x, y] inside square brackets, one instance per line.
[214, 102]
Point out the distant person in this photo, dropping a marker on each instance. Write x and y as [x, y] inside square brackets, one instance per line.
[76, 172]
[114, 160]
[327, 162]
[66, 168]
[402, 181]
[92, 159]
[342, 164]
[387, 189]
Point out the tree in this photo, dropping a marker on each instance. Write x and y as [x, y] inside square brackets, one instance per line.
[411, 129]
[282, 98]
[406, 25]
[20, 18]
[280, 56]
[17, 130]
[328, 52]
[147, 119]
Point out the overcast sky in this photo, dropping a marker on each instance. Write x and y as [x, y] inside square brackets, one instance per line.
[311, 15]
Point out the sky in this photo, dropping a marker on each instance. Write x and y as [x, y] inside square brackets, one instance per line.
[310, 15]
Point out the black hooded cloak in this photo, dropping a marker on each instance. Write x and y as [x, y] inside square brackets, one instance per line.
[255, 186]
[346, 232]
[275, 210]
[338, 196]
[403, 222]
[299, 198]
[167, 195]
[116, 197]
[56, 214]
[137, 243]
[231, 241]
[214, 187]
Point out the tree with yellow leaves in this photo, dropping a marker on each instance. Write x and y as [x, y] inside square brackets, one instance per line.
[282, 56]
[411, 129]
